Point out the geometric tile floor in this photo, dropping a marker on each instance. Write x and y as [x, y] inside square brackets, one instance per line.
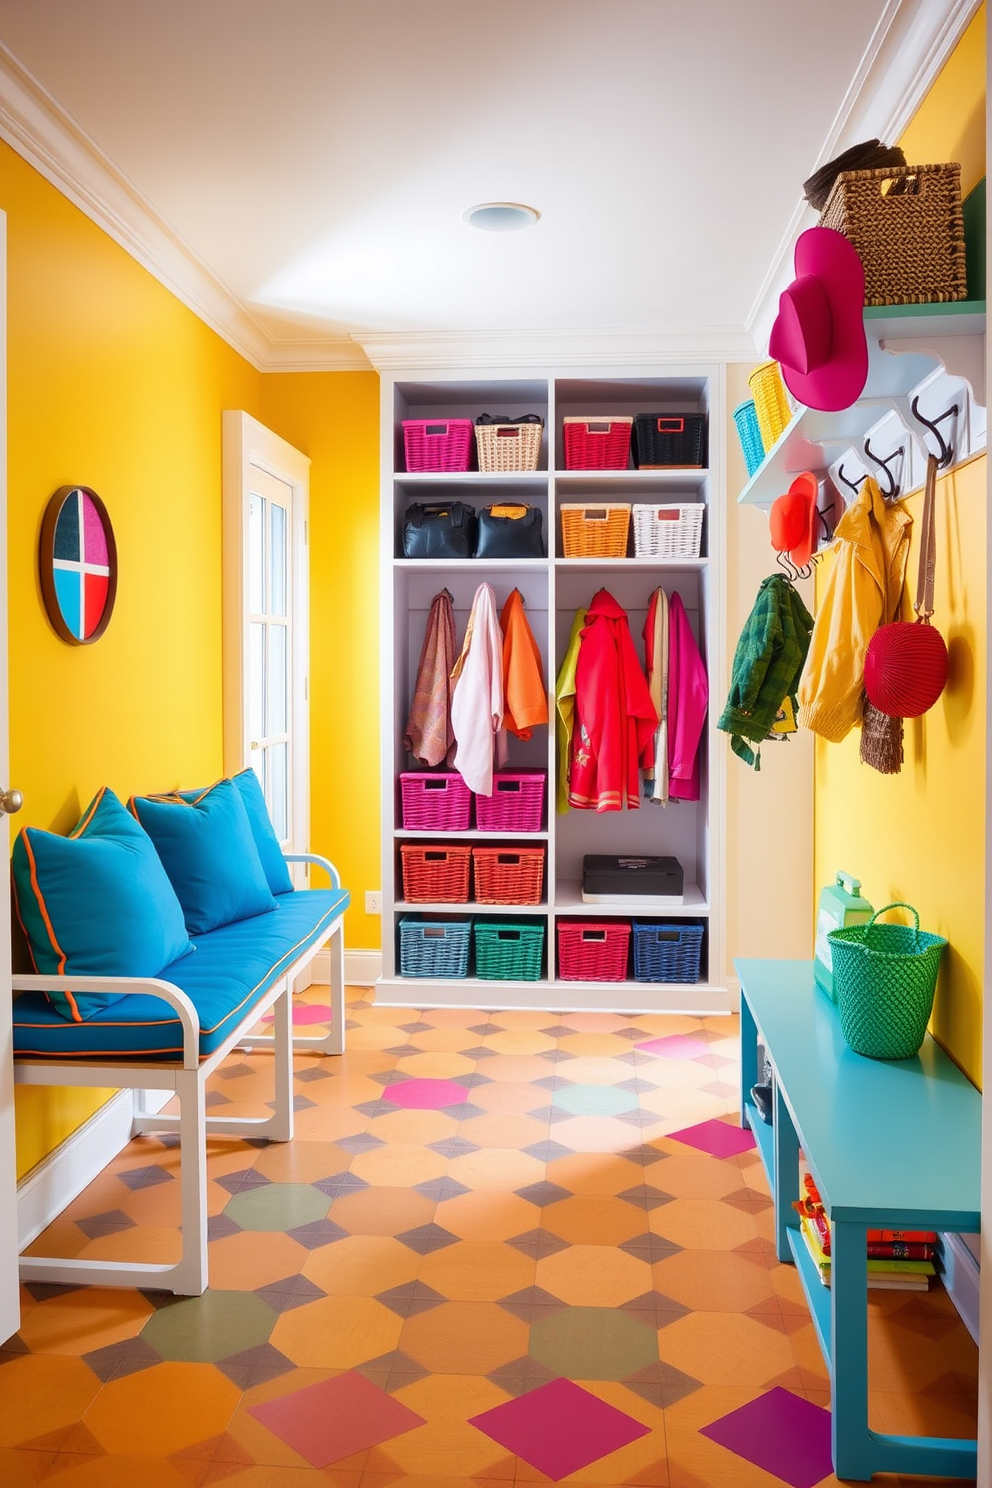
[503, 1249]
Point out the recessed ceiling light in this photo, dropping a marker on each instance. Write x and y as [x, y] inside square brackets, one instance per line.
[500, 216]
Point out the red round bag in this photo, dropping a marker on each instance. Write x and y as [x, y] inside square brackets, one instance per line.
[906, 662]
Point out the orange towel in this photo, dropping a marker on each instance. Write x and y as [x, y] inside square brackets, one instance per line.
[525, 696]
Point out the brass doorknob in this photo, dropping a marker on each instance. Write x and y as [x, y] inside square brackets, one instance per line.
[11, 801]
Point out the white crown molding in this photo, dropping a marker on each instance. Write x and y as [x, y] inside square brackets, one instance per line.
[430, 350]
[908, 48]
[34, 124]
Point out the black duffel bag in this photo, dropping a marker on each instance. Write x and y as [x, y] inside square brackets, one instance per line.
[442, 530]
[510, 530]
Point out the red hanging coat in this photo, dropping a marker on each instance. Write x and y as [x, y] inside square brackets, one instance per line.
[615, 719]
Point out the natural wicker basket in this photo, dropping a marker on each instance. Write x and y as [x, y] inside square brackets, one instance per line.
[595, 531]
[910, 239]
[771, 402]
[503, 447]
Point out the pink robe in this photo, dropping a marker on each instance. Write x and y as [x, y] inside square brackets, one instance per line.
[688, 698]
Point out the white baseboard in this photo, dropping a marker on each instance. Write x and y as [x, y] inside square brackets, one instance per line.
[551, 997]
[361, 968]
[961, 1275]
[60, 1177]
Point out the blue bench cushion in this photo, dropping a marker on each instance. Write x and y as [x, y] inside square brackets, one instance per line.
[208, 851]
[96, 903]
[230, 970]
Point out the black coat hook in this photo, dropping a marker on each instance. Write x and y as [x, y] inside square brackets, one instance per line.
[946, 452]
[854, 486]
[891, 491]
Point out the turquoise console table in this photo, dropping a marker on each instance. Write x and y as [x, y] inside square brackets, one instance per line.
[892, 1145]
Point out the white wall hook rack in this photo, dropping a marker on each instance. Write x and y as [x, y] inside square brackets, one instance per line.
[926, 351]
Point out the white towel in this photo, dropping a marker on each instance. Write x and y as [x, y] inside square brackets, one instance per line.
[477, 695]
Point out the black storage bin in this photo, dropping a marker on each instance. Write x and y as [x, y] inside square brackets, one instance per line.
[629, 876]
[663, 440]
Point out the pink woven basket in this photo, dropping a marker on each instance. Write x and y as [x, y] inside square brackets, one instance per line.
[516, 804]
[435, 801]
[437, 444]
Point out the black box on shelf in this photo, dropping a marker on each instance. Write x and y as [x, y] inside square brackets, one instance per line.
[608, 876]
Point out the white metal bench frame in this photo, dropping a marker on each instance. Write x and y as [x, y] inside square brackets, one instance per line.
[188, 1276]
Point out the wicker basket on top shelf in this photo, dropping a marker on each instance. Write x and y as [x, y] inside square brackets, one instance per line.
[906, 223]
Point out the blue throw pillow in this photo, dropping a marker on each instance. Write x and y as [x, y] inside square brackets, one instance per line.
[96, 903]
[269, 852]
[208, 851]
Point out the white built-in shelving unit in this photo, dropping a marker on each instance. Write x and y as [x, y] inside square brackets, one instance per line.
[553, 589]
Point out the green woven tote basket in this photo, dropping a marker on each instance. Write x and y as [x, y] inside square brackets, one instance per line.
[885, 977]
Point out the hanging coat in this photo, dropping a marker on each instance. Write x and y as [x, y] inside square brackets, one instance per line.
[525, 697]
[615, 717]
[862, 592]
[768, 659]
[655, 636]
[688, 696]
[477, 696]
[428, 736]
[565, 703]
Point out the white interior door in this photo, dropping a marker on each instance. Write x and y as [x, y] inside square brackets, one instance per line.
[271, 641]
[267, 622]
[9, 1307]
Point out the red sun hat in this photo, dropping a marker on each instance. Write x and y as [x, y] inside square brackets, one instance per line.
[792, 519]
[819, 334]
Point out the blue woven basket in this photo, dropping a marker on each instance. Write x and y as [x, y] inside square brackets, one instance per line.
[667, 951]
[434, 948]
[746, 419]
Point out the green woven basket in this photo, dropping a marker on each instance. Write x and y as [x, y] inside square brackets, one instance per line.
[885, 977]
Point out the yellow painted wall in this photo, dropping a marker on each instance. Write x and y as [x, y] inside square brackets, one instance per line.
[919, 836]
[115, 384]
[334, 418]
[950, 123]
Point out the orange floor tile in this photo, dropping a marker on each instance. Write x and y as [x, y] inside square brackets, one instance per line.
[478, 1208]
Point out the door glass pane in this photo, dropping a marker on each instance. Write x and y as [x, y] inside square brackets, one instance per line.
[278, 555]
[278, 788]
[277, 680]
[256, 682]
[256, 554]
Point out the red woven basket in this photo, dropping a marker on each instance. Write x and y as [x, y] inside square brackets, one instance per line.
[434, 873]
[437, 444]
[516, 804]
[435, 801]
[508, 875]
[598, 443]
[592, 951]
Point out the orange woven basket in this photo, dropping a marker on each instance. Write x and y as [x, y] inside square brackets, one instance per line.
[434, 874]
[595, 531]
[508, 875]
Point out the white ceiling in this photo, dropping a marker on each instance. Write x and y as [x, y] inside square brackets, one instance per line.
[298, 169]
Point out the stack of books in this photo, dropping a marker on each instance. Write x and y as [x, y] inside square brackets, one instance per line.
[900, 1260]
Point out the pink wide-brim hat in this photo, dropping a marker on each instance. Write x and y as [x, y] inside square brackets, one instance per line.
[792, 519]
[819, 334]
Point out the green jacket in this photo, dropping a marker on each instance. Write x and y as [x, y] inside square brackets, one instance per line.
[767, 662]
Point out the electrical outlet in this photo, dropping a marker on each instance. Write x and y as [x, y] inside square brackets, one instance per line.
[373, 902]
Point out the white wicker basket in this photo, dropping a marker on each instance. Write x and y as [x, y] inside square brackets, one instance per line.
[673, 531]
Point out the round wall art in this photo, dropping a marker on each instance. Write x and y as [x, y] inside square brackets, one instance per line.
[78, 562]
